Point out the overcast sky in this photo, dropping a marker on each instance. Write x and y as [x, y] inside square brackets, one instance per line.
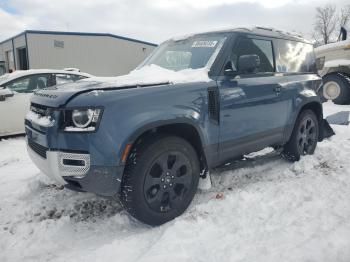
[156, 20]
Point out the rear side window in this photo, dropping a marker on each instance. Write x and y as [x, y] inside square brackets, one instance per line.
[295, 57]
[262, 48]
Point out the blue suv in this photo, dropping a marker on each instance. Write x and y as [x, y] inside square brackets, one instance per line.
[194, 104]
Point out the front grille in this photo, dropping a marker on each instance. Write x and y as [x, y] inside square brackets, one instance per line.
[39, 109]
[39, 149]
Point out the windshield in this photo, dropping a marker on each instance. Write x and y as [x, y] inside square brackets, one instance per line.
[194, 52]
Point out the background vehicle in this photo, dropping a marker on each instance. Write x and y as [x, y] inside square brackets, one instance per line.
[16, 89]
[194, 104]
[333, 62]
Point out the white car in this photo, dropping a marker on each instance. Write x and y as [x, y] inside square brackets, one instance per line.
[16, 89]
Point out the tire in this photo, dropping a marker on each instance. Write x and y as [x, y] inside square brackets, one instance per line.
[303, 140]
[336, 88]
[160, 180]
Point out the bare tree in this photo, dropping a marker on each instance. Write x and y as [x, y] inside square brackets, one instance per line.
[325, 24]
[344, 16]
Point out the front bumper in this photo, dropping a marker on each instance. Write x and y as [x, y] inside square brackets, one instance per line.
[63, 169]
[48, 166]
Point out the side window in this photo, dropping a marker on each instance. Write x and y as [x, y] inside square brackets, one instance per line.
[295, 57]
[28, 84]
[262, 48]
[67, 78]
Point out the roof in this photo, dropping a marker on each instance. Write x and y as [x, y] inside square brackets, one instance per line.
[19, 73]
[262, 31]
[79, 34]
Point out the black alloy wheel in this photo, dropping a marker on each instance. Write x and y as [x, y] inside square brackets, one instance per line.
[160, 179]
[167, 181]
[304, 137]
[307, 136]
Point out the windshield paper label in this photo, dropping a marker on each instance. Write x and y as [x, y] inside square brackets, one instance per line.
[210, 44]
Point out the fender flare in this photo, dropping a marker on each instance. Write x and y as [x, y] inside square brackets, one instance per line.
[307, 101]
[159, 123]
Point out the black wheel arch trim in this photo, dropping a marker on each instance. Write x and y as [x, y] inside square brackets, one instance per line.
[162, 123]
[306, 104]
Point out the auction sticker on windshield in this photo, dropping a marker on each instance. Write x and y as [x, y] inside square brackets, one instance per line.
[204, 43]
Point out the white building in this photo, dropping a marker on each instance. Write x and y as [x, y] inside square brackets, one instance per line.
[95, 53]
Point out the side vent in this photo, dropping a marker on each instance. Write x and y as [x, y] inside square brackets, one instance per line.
[213, 104]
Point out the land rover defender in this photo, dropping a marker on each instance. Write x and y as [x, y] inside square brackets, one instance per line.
[195, 103]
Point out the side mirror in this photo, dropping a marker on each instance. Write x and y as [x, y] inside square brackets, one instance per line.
[248, 63]
[4, 93]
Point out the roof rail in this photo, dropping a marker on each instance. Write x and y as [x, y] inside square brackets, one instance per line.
[243, 28]
[265, 28]
[279, 31]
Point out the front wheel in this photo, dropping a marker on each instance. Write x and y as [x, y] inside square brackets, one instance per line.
[160, 180]
[303, 140]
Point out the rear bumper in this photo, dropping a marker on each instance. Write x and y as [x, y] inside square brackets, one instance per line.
[101, 180]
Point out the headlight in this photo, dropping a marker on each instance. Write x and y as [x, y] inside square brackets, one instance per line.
[82, 117]
[85, 119]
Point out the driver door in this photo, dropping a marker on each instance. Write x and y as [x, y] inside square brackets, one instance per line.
[253, 106]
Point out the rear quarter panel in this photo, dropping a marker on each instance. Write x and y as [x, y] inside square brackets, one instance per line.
[301, 88]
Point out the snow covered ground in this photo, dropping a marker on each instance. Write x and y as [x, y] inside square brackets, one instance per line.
[260, 209]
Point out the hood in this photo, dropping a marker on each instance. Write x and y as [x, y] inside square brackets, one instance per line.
[59, 95]
[147, 76]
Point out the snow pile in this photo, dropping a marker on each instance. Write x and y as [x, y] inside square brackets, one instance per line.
[329, 108]
[259, 209]
[35, 118]
[153, 75]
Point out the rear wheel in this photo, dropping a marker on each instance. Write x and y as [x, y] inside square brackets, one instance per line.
[304, 137]
[160, 180]
[336, 88]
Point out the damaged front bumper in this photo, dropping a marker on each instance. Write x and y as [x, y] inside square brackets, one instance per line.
[57, 164]
[75, 172]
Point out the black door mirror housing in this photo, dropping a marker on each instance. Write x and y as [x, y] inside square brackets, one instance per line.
[248, 63]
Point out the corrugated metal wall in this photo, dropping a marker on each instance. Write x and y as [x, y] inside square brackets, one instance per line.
[8, 47]
[97, 55]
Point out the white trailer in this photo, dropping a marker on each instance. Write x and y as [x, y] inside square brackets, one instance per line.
[333, 63]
